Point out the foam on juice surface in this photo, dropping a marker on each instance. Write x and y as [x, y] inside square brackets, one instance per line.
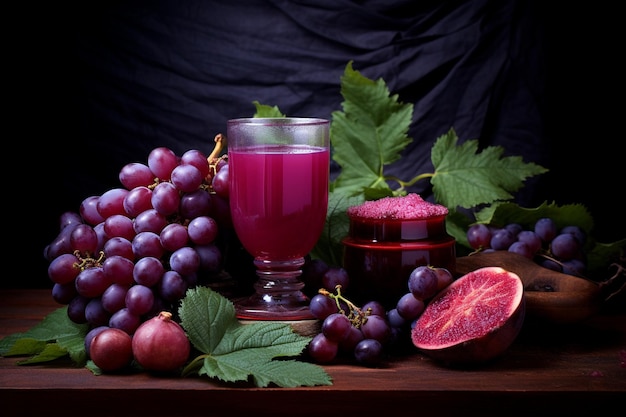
[411, 206]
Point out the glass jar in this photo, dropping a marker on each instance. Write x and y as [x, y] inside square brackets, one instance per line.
[381, 253]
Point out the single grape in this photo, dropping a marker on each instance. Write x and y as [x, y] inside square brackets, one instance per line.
[150, 221]
[579, 233]
[96, 314]
[211, 259]
[139, 299]
[119, 225]
[148, 271]
[514, 228]
[76, 309]
[88, 210]
[521, 248]
[479, 236]
[531, 240]
[198, 159]
[423, 282]
[196, 204]
[202, 230]
[395, 319]
[565, 246]
[162, 162]
[147, 244]
[165, 198]
[336, 327]
[84, 239]
[409, 307]
[369, 352]
[172, 286]
[136, 174]
[322, 306]
[64, 268]
[64, 293]
[376, 327]
[220, 182]
[375, 308]
[312, 273]
[138, 199]
[187, 178]
[546, 229]
[118, 269]
[92, 282]
[185, 261]
[125, 320]
[321, 349]
[114, 297]
[502, 239]
[335, 276]
[112, 202]
[119, 246]
[444, 277]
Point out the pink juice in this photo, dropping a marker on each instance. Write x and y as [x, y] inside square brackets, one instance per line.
[279, 198]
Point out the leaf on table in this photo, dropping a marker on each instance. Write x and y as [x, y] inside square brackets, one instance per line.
[237, 352]
[467, 178]
[52, 338]
[369, 133]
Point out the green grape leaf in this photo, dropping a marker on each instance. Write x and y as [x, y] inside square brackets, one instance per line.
[235, 352]
[54, 337]
[467, 178]
[368, 134]
[263, 110]
[329, 247]
[501, 214]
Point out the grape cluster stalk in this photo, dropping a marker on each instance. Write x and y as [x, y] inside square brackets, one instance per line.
[132, 252]
[366, 333]
[562, 250]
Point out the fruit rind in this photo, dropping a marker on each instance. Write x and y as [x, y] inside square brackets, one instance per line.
[488, 308]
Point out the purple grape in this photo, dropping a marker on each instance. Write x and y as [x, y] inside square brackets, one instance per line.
[147, 244]
[322, 306]
[136, 174]
[580, 235]
[187, 178]
[321, 349]
[139, 299]
[119, 270]
[521, 248]
[546, 229]
[410, 307]
[349, 342]
[530, 239]
[395, 319]
[185, 261]
[165, 198]
[502, 239]
[114, 297]
[375, 308]
[376, 327]
[148, 271]
[211, 258]
[150, 221]
[119, 225]
[423, 282]
[137, 201]
[369, 352]
[479, 236]
[92, 282]
[202, 230]
[162, 162]
[198, 159]
[565, 246]
[335, 276]
[172, 286]
[125, 320]
[336, 327]
[95, 314]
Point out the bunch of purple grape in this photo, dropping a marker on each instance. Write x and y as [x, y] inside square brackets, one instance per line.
[133, 251]
[366, 333]
[559, 249]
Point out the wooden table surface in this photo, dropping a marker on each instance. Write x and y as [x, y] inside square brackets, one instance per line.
[566, 370]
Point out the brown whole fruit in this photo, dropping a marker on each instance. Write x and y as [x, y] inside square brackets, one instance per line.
[111, 350]
[160, 344]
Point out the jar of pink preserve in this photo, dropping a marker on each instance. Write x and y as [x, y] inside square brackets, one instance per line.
[387, 239]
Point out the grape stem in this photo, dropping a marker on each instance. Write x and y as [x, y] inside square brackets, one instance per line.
[356, 316]
[88, 261]
[220, 143]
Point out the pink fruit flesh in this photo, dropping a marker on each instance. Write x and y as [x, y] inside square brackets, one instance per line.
[475, 319]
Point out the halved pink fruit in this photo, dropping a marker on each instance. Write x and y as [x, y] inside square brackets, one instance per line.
[473, 320]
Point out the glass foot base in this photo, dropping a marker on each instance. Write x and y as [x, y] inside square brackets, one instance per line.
[266, 307]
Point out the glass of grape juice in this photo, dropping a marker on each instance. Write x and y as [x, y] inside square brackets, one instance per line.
[279, 171]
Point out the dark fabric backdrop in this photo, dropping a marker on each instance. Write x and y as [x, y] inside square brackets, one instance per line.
[95, 86]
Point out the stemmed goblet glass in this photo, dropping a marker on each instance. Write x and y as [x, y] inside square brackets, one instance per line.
[279, 172]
